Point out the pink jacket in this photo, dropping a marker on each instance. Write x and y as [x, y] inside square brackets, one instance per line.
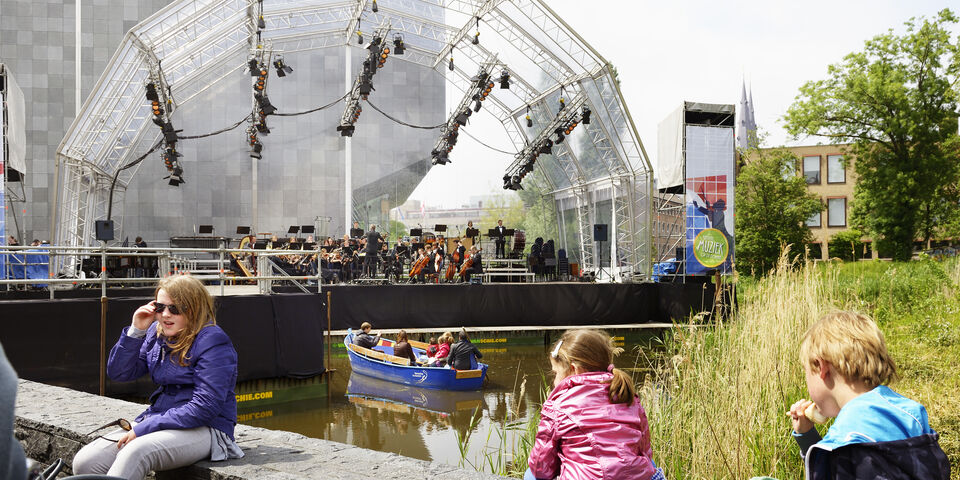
[443, 350]
[583, 436]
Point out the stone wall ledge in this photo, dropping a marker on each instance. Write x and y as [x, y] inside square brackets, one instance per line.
[51, 422]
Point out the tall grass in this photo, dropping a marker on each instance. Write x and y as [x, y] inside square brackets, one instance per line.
[716, 405]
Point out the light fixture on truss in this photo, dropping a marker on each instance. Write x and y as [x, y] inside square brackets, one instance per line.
[363, 85]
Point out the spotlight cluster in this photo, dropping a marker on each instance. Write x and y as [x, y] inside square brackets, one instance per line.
[259, 66]
[379, 51]
[472, 101]
[157, 96]
[552, 135]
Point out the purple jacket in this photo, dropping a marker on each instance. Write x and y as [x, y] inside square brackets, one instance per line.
[582, 436]
[200, 394]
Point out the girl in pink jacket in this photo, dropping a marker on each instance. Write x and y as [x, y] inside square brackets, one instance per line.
[592, 425]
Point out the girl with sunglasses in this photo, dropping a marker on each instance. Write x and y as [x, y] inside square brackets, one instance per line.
[192, 414]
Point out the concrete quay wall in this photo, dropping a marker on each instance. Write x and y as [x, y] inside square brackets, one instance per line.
[52, 422]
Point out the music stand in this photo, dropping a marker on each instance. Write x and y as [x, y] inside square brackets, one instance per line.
[416, 232]
[243, 230]
[472, 232]
[508, 232]
[439, 228]
[205, 229]
[356, 232]
[493, 233]
[307, 229]
[293, 229]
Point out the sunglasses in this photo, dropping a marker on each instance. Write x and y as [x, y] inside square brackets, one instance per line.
[160, 307]
[120, 422]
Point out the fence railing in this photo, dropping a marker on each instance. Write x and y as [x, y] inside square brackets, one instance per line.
[29, 267]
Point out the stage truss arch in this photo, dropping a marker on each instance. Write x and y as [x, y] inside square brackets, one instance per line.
[189, 46]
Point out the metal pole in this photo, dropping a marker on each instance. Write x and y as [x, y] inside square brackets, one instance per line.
[103, 345]
[329, 340]
[103, 268]
[220, 268]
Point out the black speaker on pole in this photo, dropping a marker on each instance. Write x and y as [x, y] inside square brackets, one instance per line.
[600, 232]
[104, 230]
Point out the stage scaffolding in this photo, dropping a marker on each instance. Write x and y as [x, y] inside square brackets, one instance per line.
[602, 172]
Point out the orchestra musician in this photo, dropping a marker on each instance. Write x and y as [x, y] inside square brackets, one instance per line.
[473, 240]
[430, 267]
[374, 239]
[346, 260]
[500, 239]
[459, 254]
[476, 264]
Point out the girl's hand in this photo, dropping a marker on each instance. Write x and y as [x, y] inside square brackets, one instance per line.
[801, 424]
[127, 437]
[144, 316]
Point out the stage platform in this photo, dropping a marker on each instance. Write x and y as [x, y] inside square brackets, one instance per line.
[57, 341]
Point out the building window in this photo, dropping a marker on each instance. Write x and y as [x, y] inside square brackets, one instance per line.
[811, 169]
[837, 212]
[835, 171]
[814, 220]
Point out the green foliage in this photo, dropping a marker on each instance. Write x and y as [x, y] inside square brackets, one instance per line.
[540, 216]
[896, 102]
[847, 245]
[506, 207]
[772, 209]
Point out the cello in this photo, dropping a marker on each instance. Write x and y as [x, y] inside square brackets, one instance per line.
[418, 266]
[468, 264]
[451, 268]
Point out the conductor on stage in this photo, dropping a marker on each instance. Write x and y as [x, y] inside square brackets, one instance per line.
[500, 240]
[370, 251]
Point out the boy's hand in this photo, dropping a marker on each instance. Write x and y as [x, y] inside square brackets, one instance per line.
[801, 424]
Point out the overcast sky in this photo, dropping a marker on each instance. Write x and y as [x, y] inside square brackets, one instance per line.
[696, 51]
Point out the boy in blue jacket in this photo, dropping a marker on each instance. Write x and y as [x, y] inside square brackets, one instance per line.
[877, 433]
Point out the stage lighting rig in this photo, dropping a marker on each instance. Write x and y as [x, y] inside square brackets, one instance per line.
[551, 135]
[505, 79]
[170, 161]
[282, 68]
[379, 51]
[480, 87]
[255, 146]
[398, 47]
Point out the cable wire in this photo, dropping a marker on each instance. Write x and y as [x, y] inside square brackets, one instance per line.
[312, 109]
[485, 145]
[218, 132]
[401, 122]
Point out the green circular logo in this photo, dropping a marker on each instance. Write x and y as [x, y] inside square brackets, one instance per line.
[710, 247]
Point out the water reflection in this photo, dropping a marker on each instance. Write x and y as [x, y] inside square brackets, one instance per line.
[419, 423]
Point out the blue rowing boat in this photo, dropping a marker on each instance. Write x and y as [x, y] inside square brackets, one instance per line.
[379, 362]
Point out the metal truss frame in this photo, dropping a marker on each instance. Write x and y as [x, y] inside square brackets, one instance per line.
[192, 45]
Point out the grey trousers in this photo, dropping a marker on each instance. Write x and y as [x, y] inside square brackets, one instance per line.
[161, 450]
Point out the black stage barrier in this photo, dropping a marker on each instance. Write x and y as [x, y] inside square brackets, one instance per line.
[57, 341]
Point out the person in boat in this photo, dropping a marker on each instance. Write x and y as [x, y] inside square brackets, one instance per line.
[443, 351]
[464, 354]
[403, 349]
[432, 348]
[364, 339]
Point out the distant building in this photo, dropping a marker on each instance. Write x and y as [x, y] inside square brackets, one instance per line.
[823, 168]
[416, 214]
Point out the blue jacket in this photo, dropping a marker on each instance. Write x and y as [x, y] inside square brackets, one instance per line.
[875, 435]
[200, 394]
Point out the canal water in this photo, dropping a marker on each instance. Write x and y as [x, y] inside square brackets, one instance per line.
[422, 423]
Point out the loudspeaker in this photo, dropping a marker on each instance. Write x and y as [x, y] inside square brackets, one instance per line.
[600, 232]
[104, 230]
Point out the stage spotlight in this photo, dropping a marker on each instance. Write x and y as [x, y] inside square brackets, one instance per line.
[506, 182]
[441, 158]
[266, 108]
[261, 79]
[515, 183]
[504, 79]
[477, 106]
[282, 68]
[451, 63]
[374, 7]
[152, 93]
[585, 115]
[169, 134]
[359, 37]
[476, 39]
[562, 102]
[529, 120]
[398, 47]
[463, 116]
[260, 23]
[262, 127]
[559, 132]
[346, 130]
[254, 67]
[374, 44]
[546, 147]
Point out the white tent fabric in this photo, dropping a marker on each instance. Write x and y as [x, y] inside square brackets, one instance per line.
[668, 166]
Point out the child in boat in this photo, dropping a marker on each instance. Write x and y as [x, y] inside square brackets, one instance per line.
[432, 348]
[592, 425]
[877, 432]
[443, 351]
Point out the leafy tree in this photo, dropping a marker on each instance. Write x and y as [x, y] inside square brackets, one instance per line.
[540, 218]
[847, 245]
[772, 208]
[896, 102]
[506, 207]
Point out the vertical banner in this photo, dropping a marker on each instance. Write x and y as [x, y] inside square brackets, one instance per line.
[709, 199]
[3, 198]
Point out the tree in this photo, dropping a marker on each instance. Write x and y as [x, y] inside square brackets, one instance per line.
[506, 207]
[540, 219]
[772, 208]
[896, 102]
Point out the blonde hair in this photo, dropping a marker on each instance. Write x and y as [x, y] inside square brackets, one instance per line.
[593, 351]
[853, 344]
[195, 304]
[447, 338]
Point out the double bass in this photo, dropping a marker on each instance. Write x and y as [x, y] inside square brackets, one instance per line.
[451, 268]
